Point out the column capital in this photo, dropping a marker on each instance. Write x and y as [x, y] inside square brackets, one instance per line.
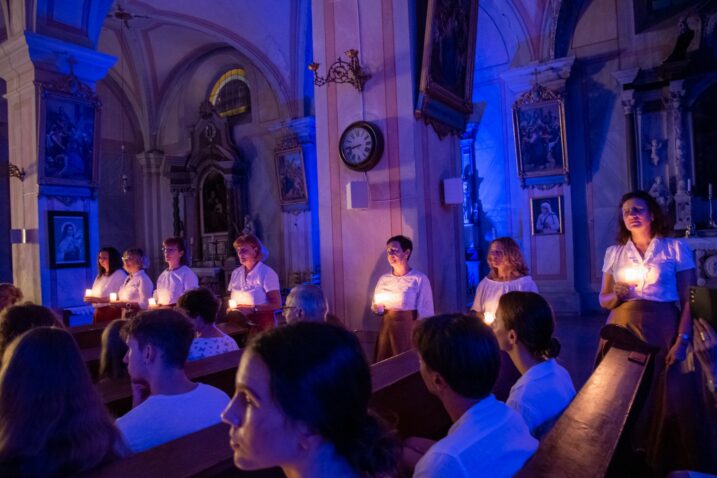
[151, 162]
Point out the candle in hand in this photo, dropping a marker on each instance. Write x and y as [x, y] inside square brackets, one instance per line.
[88, 292]
[152, 302]
[113, 296]
[488, 317]
[232, 304]
[632, 275]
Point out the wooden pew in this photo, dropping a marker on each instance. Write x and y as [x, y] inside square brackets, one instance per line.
[587, 436]
[398, 393]
[87, 336]
[218, 371]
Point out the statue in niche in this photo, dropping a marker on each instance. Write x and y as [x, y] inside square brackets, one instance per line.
[654, 149]
[659, 191]
[214, 204]
[683, 207]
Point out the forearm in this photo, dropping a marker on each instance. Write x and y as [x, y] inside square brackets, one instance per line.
[609, 300]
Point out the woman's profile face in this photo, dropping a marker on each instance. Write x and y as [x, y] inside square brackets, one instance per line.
[496, 255]
[396, 255]
[636, 215]
[260, 434]
[131, 263]
[104, 259]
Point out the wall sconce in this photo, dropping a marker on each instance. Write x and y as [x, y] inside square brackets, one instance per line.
[343, 72]
[16, 172]
[125, 184]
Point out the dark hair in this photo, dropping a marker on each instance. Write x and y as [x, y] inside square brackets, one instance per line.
[200, 302]
[250, 240]
[512, 255]
[181, 245]
[9, 295]
[52, 419]
[113, 351]
[463, 350]
[18, 319]
[319, 376]
[405, 243]
[658, 226]
[166, 329]
[530, 315]
[115, 262]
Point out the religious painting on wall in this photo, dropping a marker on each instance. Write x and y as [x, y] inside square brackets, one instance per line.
[69, 131]
[291, 177]
[446, 87]
[546, 215]
[69, 239]
[214, 204]
[539, 128]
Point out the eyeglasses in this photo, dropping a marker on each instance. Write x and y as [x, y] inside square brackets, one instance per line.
[169, 249]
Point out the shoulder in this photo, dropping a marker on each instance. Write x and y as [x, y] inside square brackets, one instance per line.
[207, 393]
[439, 463]
[118, 273]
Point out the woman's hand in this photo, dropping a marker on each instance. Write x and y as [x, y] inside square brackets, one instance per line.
[678, 352]
[377, 309]
[621, 290]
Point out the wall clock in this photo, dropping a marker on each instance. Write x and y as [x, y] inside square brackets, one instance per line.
[361, 146]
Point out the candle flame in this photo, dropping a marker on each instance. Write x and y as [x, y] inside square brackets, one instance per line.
[152, 302]
[488, 318]
[633, 274]
[113, 296]
[88, 292]
[232, 304]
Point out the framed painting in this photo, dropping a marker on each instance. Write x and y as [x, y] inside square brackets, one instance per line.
[446, 84]
[214, 198]
[539, 129]
[546, 215]
[69, 134]
[291, 177]
[69, 239]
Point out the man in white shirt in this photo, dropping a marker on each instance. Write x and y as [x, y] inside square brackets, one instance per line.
[460, 360]
[167, 405]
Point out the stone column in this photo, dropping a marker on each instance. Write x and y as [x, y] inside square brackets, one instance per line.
[625, 78]
[155, 214]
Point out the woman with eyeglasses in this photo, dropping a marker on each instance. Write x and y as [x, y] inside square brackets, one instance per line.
[110, 277]
[253, 286]
[177, 278]
[137, 288]
[508, 273]
[402, 296]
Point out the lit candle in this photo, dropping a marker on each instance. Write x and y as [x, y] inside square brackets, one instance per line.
[113, 296]
[632, 275]
[232, 304]
[488, 317]
[88, 292]
[152, 302]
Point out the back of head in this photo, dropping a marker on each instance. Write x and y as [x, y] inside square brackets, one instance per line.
[9, 295]
[310, 299]
[320, 377]
[462, 349]
[530, 315]
[20, 318]
[169, 331]
[114, 349]
[50, 413]
[200, 302]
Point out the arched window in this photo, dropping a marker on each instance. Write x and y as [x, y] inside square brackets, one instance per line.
[230, 94]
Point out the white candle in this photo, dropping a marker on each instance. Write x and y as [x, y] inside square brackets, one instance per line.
[488, 317]
[88, 292]
[633, 274]
[113, 296]
[152, 302]
[232, 304]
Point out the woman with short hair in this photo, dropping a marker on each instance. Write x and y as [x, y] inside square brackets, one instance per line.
[201, 306]
[137, 288]
[177, 278]
[253, 285]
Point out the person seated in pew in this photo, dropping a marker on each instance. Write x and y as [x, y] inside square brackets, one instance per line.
[52, 421]
[524, 327]
[136, 290]
[110, 277]
[177, 278]
[114, 348]
[9, 295]
[166, 404]
[459, 363]
[305, 302]
[18, 319]
[301, 403]
[201, 306]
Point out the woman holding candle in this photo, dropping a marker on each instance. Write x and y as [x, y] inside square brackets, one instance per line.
[137, 287]
[508, 272]
[177, 278]
[110, 277]
[401, 296]
[645, 276]
[253, 286]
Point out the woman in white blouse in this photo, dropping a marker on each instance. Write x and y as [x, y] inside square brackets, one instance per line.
[508, 272]
[254, 286]
[645, 277]
[110, 277]
[401, 296]
[137, 287]
[177, 278]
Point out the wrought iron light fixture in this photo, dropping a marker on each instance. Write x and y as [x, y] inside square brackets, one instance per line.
[343, 72]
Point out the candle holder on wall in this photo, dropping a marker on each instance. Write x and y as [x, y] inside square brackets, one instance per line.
[343, 71]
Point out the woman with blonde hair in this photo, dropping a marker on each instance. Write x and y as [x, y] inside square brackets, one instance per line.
[253, 285]
[52, 421]
[508, 272]
[137, 289]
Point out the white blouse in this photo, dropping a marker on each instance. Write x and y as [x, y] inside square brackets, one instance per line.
[489, 292]
[137, 287]
[251, 288]
[172, 284]
[654, 277]
[411, 291]
[104, 285]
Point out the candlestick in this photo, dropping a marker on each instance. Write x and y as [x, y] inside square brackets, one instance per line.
[88, 292]
[232, 304]
[152, 302]
[113, 296]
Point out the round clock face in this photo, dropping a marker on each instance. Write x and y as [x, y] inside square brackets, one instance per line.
[361, 146]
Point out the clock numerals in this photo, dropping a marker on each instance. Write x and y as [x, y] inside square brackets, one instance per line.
[361, 146]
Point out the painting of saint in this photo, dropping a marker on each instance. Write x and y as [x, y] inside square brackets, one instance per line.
[214, 204]
[69, 138]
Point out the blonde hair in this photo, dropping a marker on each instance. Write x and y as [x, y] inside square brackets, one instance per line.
[512, 255]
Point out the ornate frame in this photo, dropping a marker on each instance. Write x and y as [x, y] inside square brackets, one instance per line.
[553, 201]
[538, 170]
[293, 192]
[72, 217]
[85, 106]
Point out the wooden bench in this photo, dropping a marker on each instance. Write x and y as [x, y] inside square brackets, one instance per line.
[87, 336]
[587, 437]
[398, 394]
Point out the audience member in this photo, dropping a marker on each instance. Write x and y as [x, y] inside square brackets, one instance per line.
[459, 364]
[110, 277]
[301, 403]
[177, 278]
[114, 349]
[167, 405]
[52, 421]
[9, 295]
[201, 305]
[20, 318]
[524, 327]
[305, 302]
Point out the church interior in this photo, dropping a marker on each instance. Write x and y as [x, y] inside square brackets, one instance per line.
[325, 128]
